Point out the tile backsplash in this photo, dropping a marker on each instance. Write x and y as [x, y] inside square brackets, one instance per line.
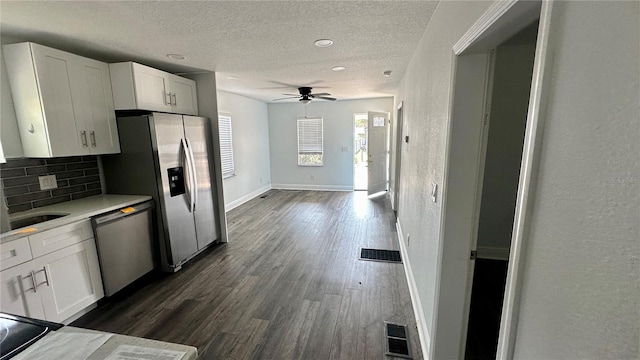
[77, 177]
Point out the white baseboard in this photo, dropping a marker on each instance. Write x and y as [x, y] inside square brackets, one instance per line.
[492, 253]
[423, 332]
[311, 187]
[235, 203]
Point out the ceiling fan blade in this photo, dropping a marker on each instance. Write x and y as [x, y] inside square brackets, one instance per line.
[325, 98]
[290, 97]
[320, 94]
[292, 94]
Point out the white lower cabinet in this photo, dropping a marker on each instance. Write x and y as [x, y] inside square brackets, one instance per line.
[17, 292]
[63, 279]
[68, 280]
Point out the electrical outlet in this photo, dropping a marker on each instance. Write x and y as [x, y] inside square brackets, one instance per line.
[48, 182]
[260, 180]
[313, 177]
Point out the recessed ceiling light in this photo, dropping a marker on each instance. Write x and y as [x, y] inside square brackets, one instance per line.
[323, 42]
[338, 68]
[232, 78]
[176, 56]
[386, 73]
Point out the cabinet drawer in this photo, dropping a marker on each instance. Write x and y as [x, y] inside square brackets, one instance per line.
[14, 252]
[60, 237]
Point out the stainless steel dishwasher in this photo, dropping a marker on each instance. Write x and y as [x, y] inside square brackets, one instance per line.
[125, 245]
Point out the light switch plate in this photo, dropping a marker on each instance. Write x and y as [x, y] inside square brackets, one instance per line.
[434, 191]
[48, 182]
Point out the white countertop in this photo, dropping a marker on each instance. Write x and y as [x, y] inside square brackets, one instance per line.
[77, 209]
[83, 344]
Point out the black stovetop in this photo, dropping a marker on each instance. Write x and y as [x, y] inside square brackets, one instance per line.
[18, 332]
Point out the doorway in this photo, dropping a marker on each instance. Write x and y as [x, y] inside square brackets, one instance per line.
[464, 166]
[360, 152]
[506, 106]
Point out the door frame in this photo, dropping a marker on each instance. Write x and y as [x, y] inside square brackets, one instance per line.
[501, 21]
[395, 200]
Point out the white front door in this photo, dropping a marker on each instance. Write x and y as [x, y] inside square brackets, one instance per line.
[377, 142]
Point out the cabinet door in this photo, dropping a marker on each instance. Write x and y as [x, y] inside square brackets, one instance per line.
[184, 98]
[152, 88]
[98, 113]
[54, 70]
[68, 280]
[17, 295]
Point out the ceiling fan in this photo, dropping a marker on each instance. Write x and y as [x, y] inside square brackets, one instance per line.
[306, 96]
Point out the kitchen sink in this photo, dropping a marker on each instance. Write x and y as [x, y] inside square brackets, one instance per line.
[34, 219]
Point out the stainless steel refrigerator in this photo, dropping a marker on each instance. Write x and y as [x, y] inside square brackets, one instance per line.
[169, 157]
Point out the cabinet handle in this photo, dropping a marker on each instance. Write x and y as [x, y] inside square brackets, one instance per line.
[175, 100]
[34, 287]
[167, 98]
[93, 138]
[83, 134]
[46, 276]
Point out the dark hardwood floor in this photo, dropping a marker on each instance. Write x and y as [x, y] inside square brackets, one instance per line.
[288, 285]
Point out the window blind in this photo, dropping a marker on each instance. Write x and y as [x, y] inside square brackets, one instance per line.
[310, 142]
[226, 145]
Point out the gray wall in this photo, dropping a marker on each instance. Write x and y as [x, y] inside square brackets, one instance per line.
[580, 287]
[250, 127]
[337, 172]
[509, 102]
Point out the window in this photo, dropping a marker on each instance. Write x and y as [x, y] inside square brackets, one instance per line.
[310, 142]
[226, 145]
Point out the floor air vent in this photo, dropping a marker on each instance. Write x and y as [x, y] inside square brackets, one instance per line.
[397, 340]
[380, 255]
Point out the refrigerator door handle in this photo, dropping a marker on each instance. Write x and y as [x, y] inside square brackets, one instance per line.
[187, 165]
[194, 175]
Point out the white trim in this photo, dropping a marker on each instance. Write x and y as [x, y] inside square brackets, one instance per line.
[502, 19]
[492, 253]
[312, 187]
[526, 184]
[243, 199]
[421, 323]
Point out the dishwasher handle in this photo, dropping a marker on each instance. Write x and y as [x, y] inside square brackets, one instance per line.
[122, 213]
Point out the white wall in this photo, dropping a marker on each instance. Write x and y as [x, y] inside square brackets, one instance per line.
[581, 287]
[8, 124]
[424, 89]
[337, 172]
[250, 127]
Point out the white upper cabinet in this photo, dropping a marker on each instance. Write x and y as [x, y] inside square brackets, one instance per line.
[140, 87]
[63, 102]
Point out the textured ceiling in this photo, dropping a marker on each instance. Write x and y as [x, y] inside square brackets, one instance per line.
[267, 45]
